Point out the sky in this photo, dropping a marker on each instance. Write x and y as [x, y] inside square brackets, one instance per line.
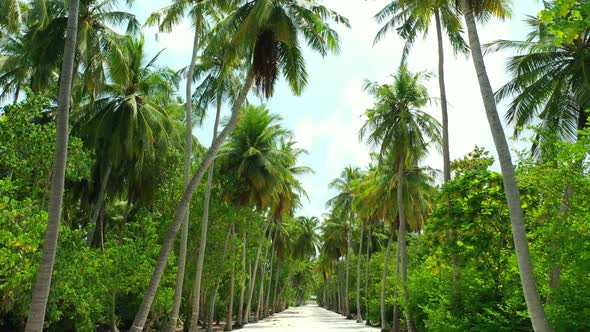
[327, 116]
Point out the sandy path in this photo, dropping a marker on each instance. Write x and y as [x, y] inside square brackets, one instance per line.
[308, 319]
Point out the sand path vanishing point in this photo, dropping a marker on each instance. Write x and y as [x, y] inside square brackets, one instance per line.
[310, 318]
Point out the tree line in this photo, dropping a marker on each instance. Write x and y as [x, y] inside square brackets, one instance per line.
[458, 266]
[123, 136]
[100, 230]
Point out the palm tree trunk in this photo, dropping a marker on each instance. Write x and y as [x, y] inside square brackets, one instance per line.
[445, 147]
[367, 269]
[384, 281]
[99, 203]
[346, 290]
[36, 315]
[395, 325]
[525, 266]
[188, 152]
[359, 316]
[113, 326]
[180, 212]
[253, 280]
[274, 295]
[213, 299]
[272, 256]
[401, 242]
[339, 284]
[230, 305]
[261, 288]
[239, 322]
[204, 226]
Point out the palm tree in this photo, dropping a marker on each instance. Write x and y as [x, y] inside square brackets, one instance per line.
[334, 240]
[257, 28]
[220, 84]
[306, 244]
[546, 84]
[98, 38]
[128, 124]
[342, 203]
[482, 9]
[36, 316]
[166, 19]
[413, 17]
[260, 167]
[397, 125]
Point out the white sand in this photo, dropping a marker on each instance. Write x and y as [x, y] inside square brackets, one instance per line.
[309, 318]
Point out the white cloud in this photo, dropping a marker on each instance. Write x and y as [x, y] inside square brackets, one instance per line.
[304, 133]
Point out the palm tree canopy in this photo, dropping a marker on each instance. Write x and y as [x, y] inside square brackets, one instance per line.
[33, 57]
[271, 30]
[307, 242]
[397, 122]
[129, 124]
[254, 159]
[547, 84]
[410, 18]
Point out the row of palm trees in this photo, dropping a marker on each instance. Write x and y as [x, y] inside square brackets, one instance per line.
[126, 109]
[547, 86]
[105, 83]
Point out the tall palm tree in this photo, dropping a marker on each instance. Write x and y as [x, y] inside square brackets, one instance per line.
[342, 204]
[334, 241]
[166, 19]
[36, 316]
[397, 125]
[412, 18]
[482, 9]
[257, 29]
[219, 85]
[128, 124]
[547, 85]
[260, 167]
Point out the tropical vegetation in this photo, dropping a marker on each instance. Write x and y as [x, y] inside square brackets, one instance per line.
[105, 224]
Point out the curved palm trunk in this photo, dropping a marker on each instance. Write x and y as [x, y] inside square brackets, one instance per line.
[239, 321]
[253, 281]
[367, 269]
[143, 311]
[36, 315]
[99, 204]
[525, 266]
[359, 316]
[384, 281]
[188, 152]
[204, 226]
[346, 289]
